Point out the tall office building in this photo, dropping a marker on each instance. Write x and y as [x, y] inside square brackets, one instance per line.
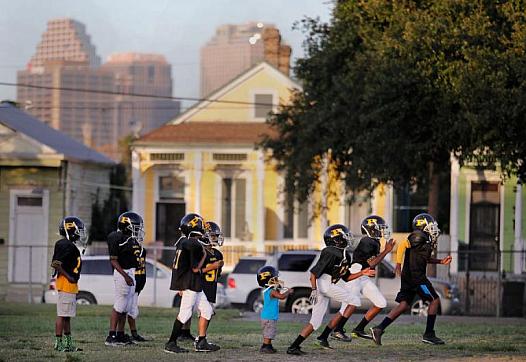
[65, 58]
[140, 73]
[235, 48]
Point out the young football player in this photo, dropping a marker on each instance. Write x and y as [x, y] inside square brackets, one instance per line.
[211, 269]
[124, 246]
[332, 266]
[267, 277]
[140, 282]
[366, 255]
[414, 281]
[67, 264]
[186, 278]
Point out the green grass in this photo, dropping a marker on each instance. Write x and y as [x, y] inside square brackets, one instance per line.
[26, 333]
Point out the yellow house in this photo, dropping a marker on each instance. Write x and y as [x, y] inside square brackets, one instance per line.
[205, 161]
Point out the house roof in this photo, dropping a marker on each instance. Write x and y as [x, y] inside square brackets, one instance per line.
[221, 91]
[209, 132]
[19, 121]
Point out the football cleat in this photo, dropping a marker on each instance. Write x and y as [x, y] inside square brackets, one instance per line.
[126, 340]
[323, 343]
[376, 333]
[58, 345]
[357, 333]
[267, 349]
[340, 336]
[112, 341]
[186, 336]
[431, 338]
[69, 345]
[172, 347]
[203, 346]
[138, 338]
[295, 351]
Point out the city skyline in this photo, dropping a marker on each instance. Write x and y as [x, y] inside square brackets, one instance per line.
[163, 29]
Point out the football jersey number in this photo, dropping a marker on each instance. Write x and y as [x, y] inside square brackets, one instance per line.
[76, 270]
[176, 261]
[211, 275]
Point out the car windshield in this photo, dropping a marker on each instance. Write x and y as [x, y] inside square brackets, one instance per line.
[295, 262]
[97, 266]
[248, 266]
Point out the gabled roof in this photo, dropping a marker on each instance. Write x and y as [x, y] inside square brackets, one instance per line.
[19, 121]
[240, 79]
[245, 133]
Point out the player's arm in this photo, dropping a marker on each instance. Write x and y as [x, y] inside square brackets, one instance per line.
[400, 252]
[194, 250]
[355, 273]
[387, 249]
[58, 267]
[281, 296]
[113, 250]
[444, 261]
[59, 256]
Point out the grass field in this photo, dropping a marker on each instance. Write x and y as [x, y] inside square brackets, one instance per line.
[26, 333]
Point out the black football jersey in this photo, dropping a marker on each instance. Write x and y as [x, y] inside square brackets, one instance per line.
[123, 249]
[334, 262]
[187, 257]
[367, 248]
[416, 259]
[209, 279]
[68, 255]
[140, 271]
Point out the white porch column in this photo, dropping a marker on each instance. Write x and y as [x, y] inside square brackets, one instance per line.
[453, 215]
[518, 245]
[137, 184]
[198, 174]
[260, 208]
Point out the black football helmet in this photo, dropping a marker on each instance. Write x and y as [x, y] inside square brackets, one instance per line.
[192, 225]
[73, 229]
[268, 277]
[337, 235]
[375, 227]
[131, 225]
[426, 223]
[213, 234]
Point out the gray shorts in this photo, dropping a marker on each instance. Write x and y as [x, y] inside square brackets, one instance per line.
[269, 328]
[66, 304]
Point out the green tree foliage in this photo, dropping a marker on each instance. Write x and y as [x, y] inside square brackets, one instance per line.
[392, 88]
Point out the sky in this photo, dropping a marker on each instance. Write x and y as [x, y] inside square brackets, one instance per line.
[175, 28]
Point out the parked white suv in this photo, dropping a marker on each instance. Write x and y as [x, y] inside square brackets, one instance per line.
[294, 267]
[96, 285]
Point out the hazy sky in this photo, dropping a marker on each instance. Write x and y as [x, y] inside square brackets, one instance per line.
[174, 28]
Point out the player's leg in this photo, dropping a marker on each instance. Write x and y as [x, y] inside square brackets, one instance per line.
[371, 292]
[342, 294]
[428, 294]
[132, 316]
[354, 287]
[404, 297]
[186, 335]
[205, 314]
[69, 311]
[185, 313]
[118, 313]
[269, 333]
[318, 312]
[59, 323]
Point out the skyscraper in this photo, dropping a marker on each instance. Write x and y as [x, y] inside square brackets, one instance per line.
[65, 58]
[235, 48]
[140, 73]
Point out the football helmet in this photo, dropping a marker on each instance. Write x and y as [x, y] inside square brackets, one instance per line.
[337, 235]
[73, 229]
[192, 225]
[267, 276]
[213, 234]
[375, 227]
[130, 224]
[426, 223]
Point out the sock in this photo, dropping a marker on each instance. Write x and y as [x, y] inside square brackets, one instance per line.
[341, 323]
[430, 325]
[297, 341]
[176, 331]
[325, 333]
[120, 334]
[134, 332]
[185, 332]
[58, 336]
[200, 338]
[362, 324]
[112, 334]
[385, 323]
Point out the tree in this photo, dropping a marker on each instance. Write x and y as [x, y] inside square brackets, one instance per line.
[388, 90]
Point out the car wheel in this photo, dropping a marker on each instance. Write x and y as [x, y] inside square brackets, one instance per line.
[300, 303]
[254, 301]
[86, 298]
[419, 308]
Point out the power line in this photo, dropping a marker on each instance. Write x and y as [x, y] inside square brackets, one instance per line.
[139, 95]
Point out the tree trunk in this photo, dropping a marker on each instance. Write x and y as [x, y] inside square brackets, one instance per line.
[434, 190]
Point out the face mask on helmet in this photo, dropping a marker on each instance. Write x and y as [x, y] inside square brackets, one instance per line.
[74, 230]
[137, 232]
[375, 227]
